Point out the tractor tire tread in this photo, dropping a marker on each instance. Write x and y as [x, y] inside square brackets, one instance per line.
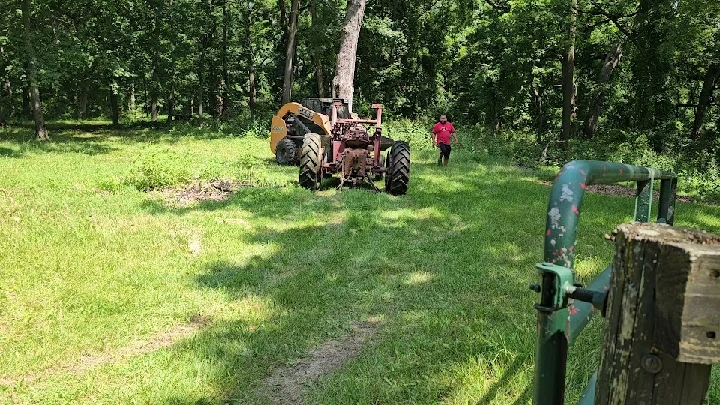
[281, 152]
[310, 162]
[398, 176]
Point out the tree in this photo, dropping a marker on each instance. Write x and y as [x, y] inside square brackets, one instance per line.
[290, 52]
[343, 83]
[31, 73]
[611, 61]
[568, 77]
[317, 58]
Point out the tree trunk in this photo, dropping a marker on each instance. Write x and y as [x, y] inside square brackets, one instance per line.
[495, 109]
[114, 107]
[711, 80]
[652, 67]
[219, 106]
[611, 61]
[290, 52]
[251, 62]
[283, 15]
[568, 78]
[317, 55]
[27, 110]
[536, 96]
[154, 90]
[6, 97]
[146, 99]
[171, 99]
[6, 106]
[40, 130]
[201, 84]
[225, 72]
[131, 102]
[154, 106]
[343, 82]
[82, 99]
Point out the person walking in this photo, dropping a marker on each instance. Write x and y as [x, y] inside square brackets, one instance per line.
[442, 133]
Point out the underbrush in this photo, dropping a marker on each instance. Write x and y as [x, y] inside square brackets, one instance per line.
[698, 171]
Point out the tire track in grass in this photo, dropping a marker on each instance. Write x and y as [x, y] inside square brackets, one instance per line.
[286, 385]
[88, 362]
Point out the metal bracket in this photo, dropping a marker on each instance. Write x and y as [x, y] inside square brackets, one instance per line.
[553, 289]
[558, 285]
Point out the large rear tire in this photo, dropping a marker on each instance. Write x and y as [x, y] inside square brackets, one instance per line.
[310, 163]
[286, 152]
[398, 169]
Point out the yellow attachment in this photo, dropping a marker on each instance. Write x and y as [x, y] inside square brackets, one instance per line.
[278, 130]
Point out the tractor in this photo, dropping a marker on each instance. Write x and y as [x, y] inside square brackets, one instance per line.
[355, 153]
[294, 120]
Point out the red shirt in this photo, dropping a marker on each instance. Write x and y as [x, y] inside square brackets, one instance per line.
[443, 131]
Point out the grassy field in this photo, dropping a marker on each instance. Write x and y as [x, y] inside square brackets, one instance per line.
[110, 294]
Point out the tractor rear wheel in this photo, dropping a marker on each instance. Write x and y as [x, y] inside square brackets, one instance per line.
[310, 162]
[286, 152]
[398, 169]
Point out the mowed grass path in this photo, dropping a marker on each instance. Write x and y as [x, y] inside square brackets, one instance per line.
[109, 296]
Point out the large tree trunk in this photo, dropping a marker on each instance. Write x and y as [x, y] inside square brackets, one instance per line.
[711, 80]
[290, 52]
[611, 61]
[343, 82]
[40, 131]
[568, 78]
[250, 62]
[317, 55]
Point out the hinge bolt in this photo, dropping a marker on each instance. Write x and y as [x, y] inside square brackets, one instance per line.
[652, 364]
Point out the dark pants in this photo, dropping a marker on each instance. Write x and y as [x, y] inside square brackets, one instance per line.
[445, 150]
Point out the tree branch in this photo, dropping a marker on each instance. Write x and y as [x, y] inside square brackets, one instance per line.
[615, 19]
[504, 7]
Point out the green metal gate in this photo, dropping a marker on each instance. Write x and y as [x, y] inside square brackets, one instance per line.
[561, 320]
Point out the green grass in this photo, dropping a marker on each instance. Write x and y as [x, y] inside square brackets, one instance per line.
[90, 266]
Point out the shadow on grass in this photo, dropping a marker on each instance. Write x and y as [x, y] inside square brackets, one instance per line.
[446, 268]
[512, 370]
[7, 152]
[94, 138]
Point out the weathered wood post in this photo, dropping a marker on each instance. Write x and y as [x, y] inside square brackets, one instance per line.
[663, 330]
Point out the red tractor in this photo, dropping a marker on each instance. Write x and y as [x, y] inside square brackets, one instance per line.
[356, 154]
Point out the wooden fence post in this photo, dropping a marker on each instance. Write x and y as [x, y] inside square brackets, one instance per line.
[663, 330]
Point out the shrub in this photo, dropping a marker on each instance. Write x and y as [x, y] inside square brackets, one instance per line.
[158, 168]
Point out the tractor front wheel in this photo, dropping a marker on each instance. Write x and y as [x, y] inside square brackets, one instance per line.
[286, 152]
[398, 169]
[310, 162]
